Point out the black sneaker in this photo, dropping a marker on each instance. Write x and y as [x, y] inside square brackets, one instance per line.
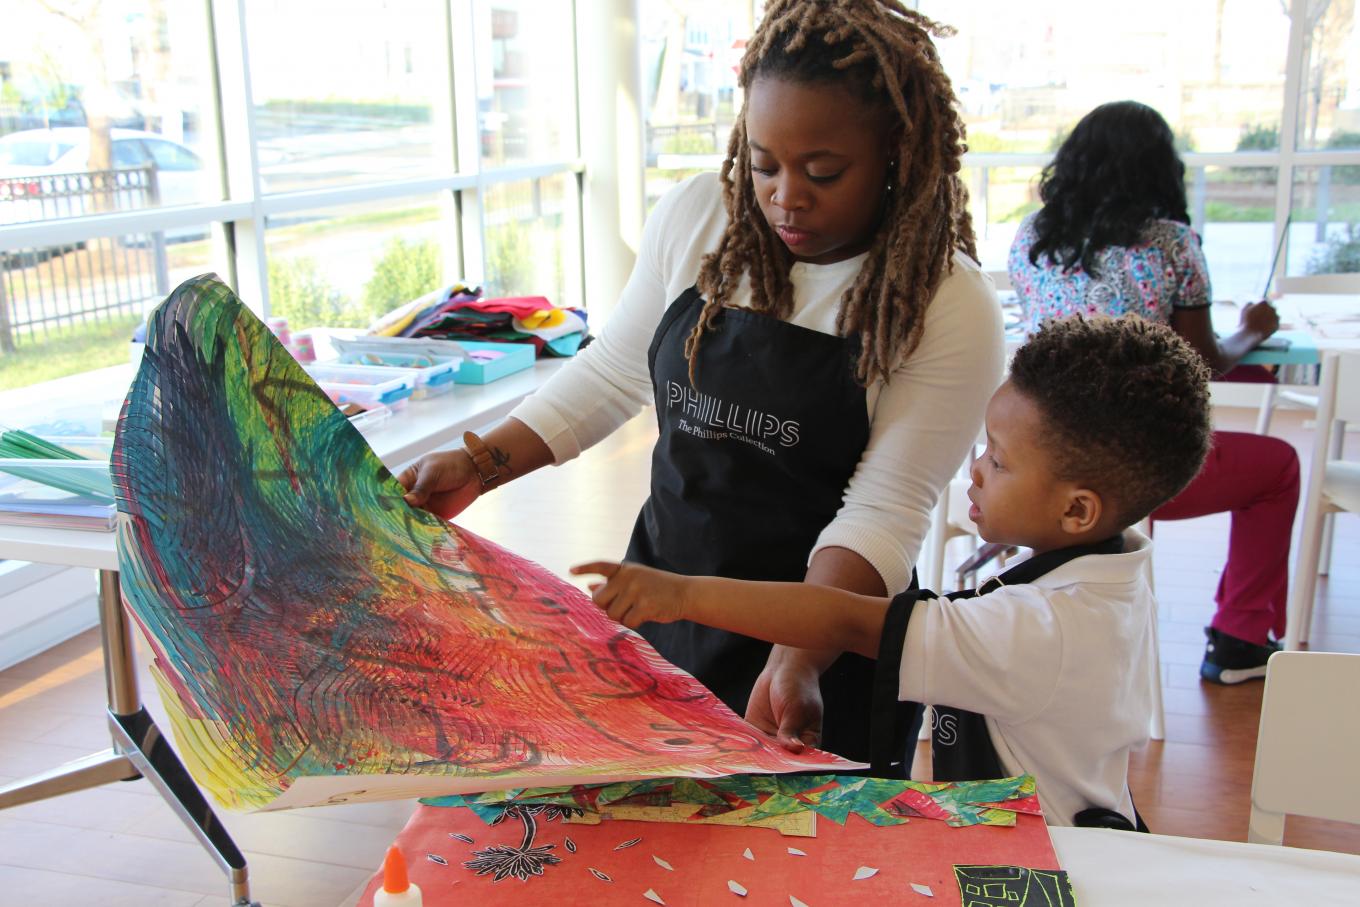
[1228, 659]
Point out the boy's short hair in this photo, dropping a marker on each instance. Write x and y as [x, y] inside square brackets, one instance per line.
[1126, 403]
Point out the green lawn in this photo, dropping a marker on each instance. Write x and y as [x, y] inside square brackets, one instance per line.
[66, 351]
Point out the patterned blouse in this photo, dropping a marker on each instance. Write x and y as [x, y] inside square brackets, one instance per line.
[1163, 272]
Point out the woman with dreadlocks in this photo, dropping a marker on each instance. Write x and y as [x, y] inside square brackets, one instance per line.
[819, 344]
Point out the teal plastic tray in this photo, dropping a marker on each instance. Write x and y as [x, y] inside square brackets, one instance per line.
[510, 358]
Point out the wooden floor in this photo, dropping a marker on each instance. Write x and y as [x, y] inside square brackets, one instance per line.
[121, 844]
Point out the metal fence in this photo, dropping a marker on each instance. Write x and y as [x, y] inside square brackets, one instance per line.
[45, 288]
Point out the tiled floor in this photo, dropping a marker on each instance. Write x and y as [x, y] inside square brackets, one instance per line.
[120, 844]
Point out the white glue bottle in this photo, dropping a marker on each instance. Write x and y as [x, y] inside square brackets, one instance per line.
[396, 890]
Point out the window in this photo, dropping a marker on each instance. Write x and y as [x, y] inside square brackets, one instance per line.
[525, 101]
[690, 53]
[530, 234]
[361, 156]
[169, 156]
[1024, 74]
[333, 104]
[130, 153]
[17, 151]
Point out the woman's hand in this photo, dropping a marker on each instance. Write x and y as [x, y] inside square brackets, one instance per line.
[1260, 318]
[444, 483]
[633, 594]
[786, 701]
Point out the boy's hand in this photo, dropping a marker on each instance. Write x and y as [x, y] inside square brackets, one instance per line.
[633, 594]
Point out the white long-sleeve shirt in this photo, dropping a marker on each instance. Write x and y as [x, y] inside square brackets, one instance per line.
[922, 420]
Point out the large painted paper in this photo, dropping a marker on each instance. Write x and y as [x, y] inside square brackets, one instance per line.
[318, 640]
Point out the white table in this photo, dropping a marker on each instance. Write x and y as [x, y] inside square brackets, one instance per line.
[1127, 869]
[139, 749]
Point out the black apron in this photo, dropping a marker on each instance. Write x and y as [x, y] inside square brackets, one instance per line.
[747, 471]
[960, 746]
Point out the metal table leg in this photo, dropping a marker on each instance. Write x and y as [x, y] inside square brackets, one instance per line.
[139, 751]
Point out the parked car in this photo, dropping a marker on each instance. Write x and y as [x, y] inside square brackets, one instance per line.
[31, 161]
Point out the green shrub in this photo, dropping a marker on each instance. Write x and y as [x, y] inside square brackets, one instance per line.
[1020, 212]
[688, 143]
[406, 271]
[509, 268]
[1219, 212]
[1259, 137]
[299, 292]
[1341, 255]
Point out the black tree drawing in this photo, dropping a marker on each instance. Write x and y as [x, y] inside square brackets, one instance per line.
[525, 860]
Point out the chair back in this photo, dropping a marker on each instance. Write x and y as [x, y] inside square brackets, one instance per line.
[1346, 386]
[1306, 745]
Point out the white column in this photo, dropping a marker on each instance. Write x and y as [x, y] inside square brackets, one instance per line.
[610, 79]
[239, 158]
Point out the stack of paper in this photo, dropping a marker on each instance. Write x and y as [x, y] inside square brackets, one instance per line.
[45, 484]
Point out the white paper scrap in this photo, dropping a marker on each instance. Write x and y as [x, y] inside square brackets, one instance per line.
[794, 902]
[796, 852]
[865, 872]
[922, 889]
[747, 854]
[652, 896]
[662, 863]
[736, 888]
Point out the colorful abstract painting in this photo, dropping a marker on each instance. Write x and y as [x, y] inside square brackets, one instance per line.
[318, 640]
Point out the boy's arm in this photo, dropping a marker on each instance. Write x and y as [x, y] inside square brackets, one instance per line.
[789, 614]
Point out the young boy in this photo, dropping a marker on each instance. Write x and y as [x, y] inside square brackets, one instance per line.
[1045, 668]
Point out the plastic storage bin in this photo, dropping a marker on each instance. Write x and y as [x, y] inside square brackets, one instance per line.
[432, 377]
[488, 361]
[370, 420]
[419, 346]
[365, 385]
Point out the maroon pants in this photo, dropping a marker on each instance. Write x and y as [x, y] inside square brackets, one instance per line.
[1256, 477]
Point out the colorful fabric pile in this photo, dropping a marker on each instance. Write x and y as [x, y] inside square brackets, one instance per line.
[459, 313]
[757, 799]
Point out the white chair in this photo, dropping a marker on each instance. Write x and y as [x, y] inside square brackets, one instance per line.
[1333, 484]
[1157, 728]
[948, 522]
[1306, 745]
[1315, 285]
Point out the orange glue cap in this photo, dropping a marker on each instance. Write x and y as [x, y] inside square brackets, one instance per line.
[394, 872]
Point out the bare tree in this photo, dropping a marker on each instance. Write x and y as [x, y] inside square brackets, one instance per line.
[97, 97]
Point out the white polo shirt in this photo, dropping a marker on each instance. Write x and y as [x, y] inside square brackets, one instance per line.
[1059, 668]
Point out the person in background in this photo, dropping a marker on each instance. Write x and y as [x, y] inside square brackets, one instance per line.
[1043, 670]
[1113, 237]
[818, 341]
